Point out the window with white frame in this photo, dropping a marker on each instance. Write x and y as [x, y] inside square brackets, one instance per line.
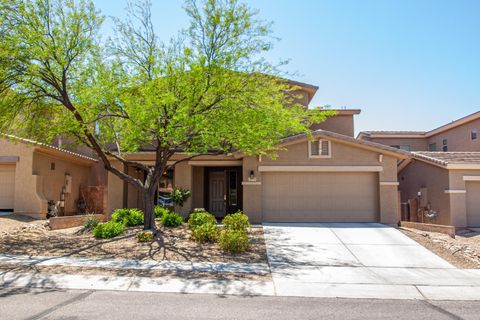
[320, 149]
[445, 145]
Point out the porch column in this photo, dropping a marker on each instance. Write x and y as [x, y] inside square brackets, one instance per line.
[183, 178]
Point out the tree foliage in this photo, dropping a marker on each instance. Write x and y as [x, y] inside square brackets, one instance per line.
[209, 88]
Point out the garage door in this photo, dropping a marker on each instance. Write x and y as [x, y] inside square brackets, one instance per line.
[473, 204]
[320, 197]
[7, 186]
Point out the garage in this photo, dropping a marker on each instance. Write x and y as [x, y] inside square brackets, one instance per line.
[473, 203]
[320, 196]
[7, 186]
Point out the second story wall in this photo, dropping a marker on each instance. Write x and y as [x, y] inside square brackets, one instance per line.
[458, 138]
[407, 144]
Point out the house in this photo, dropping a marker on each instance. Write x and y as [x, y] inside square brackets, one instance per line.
[448, 183]
[458, 135]
[443, 173]
[334, 178]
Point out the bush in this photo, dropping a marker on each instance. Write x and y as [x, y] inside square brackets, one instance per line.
[160, 211]
[171, 219]
[237, 221]
[199, 218]
[207, 232]
[179, 196]
[129, 217]
[145, 236]
[233, 241]
[108, 230]
[91, 221]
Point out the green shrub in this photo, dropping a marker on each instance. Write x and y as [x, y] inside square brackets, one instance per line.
[199, 218]
[160, 211]
[207, 232]
[179, 196]
[172, 219]
[237, 221]
[91, 221]
[129, 217]
[233, 241]
[145, 236]
[108, 230]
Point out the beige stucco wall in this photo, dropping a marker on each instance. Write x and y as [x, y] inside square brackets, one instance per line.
[342, 124]
[459, 138]
[198, 183]
[54, 180]
[183, 178]
[343, 154]
[418, 175]
[416, 144]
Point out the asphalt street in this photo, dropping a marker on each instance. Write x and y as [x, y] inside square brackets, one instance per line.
[24, 303]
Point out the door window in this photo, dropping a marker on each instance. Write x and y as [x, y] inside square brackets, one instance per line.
[233, 192]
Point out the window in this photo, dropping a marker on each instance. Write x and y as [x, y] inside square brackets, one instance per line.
[232, 182]
[432, 147]
[319, 149]
[405, 147]
[473, 134]
[444, 145]
[396, 146]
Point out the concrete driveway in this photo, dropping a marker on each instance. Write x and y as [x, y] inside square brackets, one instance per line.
[366, 260]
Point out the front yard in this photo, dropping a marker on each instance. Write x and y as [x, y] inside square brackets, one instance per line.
[35, 238]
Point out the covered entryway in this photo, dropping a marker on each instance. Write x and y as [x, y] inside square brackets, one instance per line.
[7, 187]
[223, 190]
[320, 196]
[473, 203]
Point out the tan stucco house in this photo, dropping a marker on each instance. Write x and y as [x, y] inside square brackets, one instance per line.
[443, 173]
[334, 178]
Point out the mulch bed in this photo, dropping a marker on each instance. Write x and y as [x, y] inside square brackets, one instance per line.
[170, 244]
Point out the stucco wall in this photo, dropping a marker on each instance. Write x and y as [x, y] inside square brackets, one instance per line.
[416, 144]
[459, 138]
[418, 175]
[54, 180]
[342, 124]
[198, 184]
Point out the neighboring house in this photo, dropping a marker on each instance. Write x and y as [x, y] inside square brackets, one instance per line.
[458, 135]
[449, 182]
[334, 178]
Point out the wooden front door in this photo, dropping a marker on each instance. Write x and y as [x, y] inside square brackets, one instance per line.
[217, 195]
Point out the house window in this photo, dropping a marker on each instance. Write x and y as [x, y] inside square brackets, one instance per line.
[473, 134]
[405, 147]
[432, 147]
[320, 149]
[445, 145]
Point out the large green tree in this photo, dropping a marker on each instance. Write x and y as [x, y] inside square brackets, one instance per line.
[209, 88]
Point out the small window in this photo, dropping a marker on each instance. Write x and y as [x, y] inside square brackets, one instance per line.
[319, 149]
[473, 134]
[444, 145]
[432, 147]
[405, 148]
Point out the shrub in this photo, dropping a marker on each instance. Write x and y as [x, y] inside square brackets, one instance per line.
[179, 196]
[108, 230]
[160, 211]
[145, 236]
[199, 218]
[129, 217]
[172, 219]
[91, 221]
[207, 232]
[233, 241]
[237, 221]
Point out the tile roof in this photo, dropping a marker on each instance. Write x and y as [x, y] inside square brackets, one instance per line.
[446, 158]
[389, 132]
[45, 145]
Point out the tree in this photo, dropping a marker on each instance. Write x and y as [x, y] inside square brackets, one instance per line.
[208, 89]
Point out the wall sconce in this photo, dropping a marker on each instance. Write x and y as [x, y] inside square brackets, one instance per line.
[251, 177]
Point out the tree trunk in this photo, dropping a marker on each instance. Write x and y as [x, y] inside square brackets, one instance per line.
[148, 197]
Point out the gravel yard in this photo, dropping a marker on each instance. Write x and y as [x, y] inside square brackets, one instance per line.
[462, 252]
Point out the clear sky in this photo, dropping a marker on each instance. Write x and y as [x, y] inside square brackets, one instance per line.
[408, 64]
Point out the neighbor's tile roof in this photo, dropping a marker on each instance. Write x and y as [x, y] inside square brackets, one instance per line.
[45, 145]
[393, 133]
[446, 158]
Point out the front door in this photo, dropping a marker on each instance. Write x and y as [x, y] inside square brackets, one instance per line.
[224, 188]
[217, 198]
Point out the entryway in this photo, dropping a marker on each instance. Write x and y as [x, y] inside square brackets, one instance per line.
[7, 187]
[223, 190]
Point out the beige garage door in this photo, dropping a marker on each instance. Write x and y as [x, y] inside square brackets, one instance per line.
[320, 197]
[473, 204]
[7, 185]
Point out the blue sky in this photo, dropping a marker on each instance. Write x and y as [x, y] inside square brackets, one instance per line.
[409, 64]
